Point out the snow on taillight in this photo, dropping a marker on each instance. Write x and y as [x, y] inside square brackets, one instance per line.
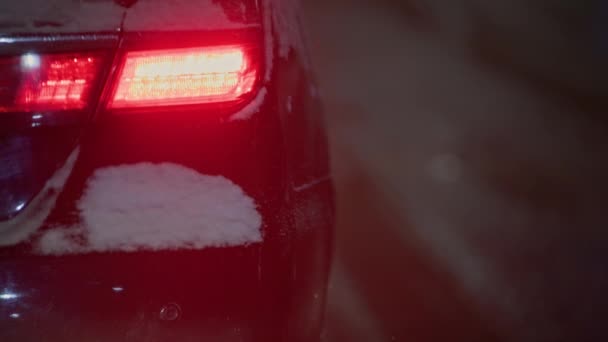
[184, 77]
[48, 82]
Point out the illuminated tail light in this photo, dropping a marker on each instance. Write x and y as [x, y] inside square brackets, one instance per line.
[184, 77]
[48, 82]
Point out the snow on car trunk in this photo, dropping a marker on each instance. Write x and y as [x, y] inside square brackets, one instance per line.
[186, 15]
[156, 207]
[59, 16]
[78, 16]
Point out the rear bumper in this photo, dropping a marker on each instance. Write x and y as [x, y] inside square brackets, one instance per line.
[268, 291]
[158, 296]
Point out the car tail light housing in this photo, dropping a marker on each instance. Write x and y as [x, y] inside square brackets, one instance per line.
[48, 82]
[188, 76]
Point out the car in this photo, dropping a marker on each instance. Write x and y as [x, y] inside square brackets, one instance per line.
[164, 172]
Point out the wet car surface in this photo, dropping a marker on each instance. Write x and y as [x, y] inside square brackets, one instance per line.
[159, 214]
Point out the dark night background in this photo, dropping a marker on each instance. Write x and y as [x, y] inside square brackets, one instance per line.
[469, 141]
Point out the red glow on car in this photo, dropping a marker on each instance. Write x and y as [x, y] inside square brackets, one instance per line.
[183, 77]
[55, 82]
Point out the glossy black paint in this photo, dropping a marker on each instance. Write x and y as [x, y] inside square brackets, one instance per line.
[269, 291]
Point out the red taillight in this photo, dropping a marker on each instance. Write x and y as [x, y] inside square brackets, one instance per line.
[183, 77]
[49, 82]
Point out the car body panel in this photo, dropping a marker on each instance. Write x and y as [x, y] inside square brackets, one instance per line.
[273, 290]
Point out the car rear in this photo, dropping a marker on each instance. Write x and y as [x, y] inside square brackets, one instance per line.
[163, 173]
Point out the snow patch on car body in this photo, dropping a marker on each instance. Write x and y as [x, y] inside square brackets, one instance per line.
[250, 109]
[21, 227]
[287, 22]
[282, 19]
[59, 16]
[179, 15]
[155, 207]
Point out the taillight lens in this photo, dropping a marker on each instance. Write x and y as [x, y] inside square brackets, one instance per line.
[35, 82]
[184, 77]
